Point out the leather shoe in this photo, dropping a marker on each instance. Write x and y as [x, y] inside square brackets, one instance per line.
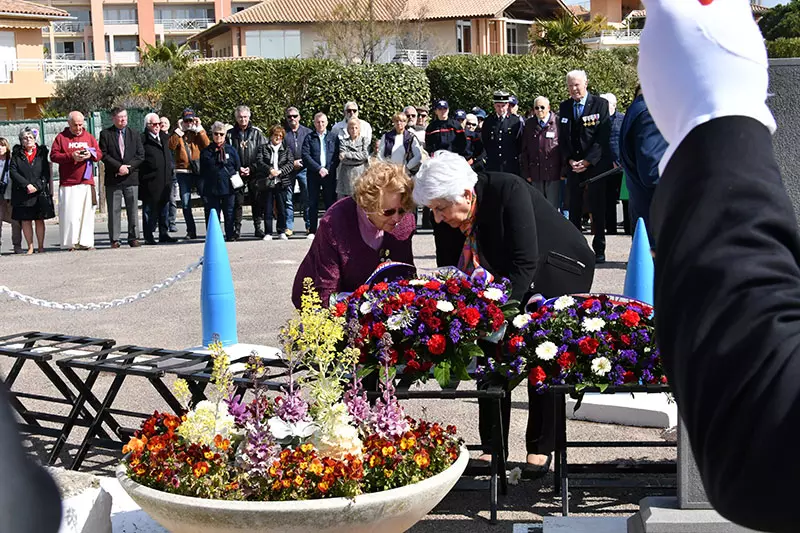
[134, 243]
[167, 238]
[599, 259]
[150, 241]
[115, 244]
[536, 471]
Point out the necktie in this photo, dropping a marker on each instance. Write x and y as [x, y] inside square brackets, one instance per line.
[121, 139]
[578, 110]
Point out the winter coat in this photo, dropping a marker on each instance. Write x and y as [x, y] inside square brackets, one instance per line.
[215, 172]
[24, 174]
[541, 159]
[263, 164]
[353, 159]
[155, 174]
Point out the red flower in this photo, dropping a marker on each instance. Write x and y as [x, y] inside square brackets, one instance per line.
[566, 360]
[436, 344]
[452, 286]
[588, 303]
[360, 291]
[434, 323]
[382, 286]
[537, 375]
[471, 316]
[433, 285]
[664, 380]
[588, 345]
[341, 308]
[625, 339]
[378, 329]
[403, 282]
[410, 354]
[630, 318]
[515, 343]
[413, 366]
[425, 366]
[406, 297]
[628, 377]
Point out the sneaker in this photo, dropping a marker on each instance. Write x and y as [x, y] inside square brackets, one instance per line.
[266, 238]
[310, 236]
[284, 237]
[173, 228]
[289, 232]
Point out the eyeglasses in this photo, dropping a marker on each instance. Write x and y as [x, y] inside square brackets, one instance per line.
[540, 107]
[219, 134]
[153, 123]
[411, 116]
[423, 115]
[473, 124]
[391, 212]
[292, 116]
[352, 111]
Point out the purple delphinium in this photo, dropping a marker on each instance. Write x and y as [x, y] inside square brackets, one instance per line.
[455, 331]
[388, 417]
[356, 401]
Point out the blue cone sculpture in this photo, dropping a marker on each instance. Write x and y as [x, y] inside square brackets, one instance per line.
[640, 276]
[217, 299]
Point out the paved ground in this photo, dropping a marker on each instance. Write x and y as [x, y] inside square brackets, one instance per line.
[263, 273]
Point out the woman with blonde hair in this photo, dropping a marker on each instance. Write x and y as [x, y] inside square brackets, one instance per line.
[400, 145]
[353, 157]
[358, 233]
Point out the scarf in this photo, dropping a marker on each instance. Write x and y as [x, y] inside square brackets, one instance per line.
[274, 159]
[89, 170]
[469, 260]
[30, 155]
[221, 154]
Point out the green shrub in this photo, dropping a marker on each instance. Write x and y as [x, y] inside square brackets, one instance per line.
[784, 47]
[268, 86]
[469, 80]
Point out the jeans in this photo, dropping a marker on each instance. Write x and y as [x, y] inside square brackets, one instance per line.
[328, 187]
[172, 207]
[224, 207]
[185, 183]
[302, 181]
[276, 198]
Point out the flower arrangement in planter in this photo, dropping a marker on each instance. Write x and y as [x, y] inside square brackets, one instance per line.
[320, 439]
[585, 341]
[425, 321]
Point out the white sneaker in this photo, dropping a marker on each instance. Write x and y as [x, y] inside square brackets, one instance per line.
[284, 237]
[310, 236]
[267, 238]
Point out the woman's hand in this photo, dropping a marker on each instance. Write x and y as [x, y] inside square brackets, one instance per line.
[274, 172]
[32, 189]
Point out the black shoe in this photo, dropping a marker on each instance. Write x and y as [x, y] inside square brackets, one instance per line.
[599, 259]
[530, 471]
[166, 238]
[150, 241]
[259, 234]
[190, 236]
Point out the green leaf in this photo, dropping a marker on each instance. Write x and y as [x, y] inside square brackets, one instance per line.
[392, 374]
[366, 370]
[602, 387]
[470, 350]
[442, 373]
[579, 387]
[459, 369]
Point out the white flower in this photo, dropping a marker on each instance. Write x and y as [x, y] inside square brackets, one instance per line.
[520, 321]
[395, 322]
[444, 306]
[546, 351]
[563, 302]
[205, 421]
[282, 430]
[337, 436]
[493, 293]
[601, 366]
[365, 307]
[514, 475]
[418, 282]
[593, 324]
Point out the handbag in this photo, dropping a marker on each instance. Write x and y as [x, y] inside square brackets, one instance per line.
[194, 164]
[236, 181]
[267, 183]
[45, 203]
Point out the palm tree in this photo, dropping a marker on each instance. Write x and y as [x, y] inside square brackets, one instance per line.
[167, 52]
[562, 36]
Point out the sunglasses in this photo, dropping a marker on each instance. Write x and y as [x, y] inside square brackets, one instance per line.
[423, 115]
[473, 124]
[391, 212]
[540, 107]
[218, 134]
[153, 123]
[292, 116]
[352, 111]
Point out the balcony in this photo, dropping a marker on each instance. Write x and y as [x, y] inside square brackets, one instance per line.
[518, 48]
[187, 25]
[120, 22]
[77, 56]
[613, 38]
[66, 26]
[53, 69]
[417, 58]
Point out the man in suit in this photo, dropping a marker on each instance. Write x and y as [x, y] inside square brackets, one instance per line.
[502, 136]
[123, 153]
[727, 285]
[641, 147]
[155, 180]
[584, 130]
[540, 161]
[320, 154]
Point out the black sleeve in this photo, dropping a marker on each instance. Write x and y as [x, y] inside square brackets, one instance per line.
[138, 156]
[521, 240]
[727, 302]
[449, 243]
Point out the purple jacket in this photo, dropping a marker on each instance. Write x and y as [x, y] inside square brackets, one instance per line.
[339, 260]
[541, 159]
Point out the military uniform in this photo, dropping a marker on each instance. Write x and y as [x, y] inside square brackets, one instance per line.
[502, 141]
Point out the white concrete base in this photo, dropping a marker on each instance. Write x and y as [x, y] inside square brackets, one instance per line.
[585, 524]
[639, 409]
[126, 516]
[87, 512]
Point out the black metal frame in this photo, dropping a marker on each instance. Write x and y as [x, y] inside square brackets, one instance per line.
[563, 468]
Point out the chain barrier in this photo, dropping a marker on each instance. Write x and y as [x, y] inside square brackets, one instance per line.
[103, 305]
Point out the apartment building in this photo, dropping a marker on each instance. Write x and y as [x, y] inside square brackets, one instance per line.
[112, 30]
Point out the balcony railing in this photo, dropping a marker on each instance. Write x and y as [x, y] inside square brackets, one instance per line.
[53, 69]
[66, 26]
[418, 58]
[117, 22]
[619, 35]
[77, 56]
[185, 24]
[518, 48]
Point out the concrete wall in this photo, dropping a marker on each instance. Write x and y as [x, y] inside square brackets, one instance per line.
[27, 84]
[784, 79]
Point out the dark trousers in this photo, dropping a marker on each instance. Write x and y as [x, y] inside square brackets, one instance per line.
[185, 183]
[612, 197]
[238, 202]
[597, 206]
[274, 200]
[155, 213]
[224, 207]
[327, 186]
[254, 196]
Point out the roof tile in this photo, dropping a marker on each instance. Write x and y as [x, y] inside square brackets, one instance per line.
[21, 7]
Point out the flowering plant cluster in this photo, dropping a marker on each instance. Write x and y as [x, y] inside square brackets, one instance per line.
[430, 320]
[321, 438]
[586, 341]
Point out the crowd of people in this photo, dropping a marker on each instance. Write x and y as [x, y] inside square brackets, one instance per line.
[294, 165]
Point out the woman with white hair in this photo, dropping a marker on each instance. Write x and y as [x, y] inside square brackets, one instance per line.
[219, 162]
[498, 222]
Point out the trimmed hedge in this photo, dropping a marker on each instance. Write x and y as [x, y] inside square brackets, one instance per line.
[469, 80]
[268, 86]
[784, 47]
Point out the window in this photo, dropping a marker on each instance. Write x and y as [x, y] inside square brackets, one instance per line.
[273, 44]
[463, 37]
[120, 15]
[126, 43]
[183, 13]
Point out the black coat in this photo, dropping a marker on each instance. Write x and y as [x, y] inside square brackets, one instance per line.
[263, 163]
[216, 172]
[727, 296]
[134, 156]
[24, 174]
[502, 140]
[586, 137]
[520, 237]
[155, 174]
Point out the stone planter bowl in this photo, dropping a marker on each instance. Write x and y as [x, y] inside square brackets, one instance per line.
[384, 512]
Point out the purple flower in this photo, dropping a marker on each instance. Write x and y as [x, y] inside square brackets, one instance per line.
[356, 401]
[455, 331]
[293, 408]
[388, 417]
[567, 335]
[647, 376]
